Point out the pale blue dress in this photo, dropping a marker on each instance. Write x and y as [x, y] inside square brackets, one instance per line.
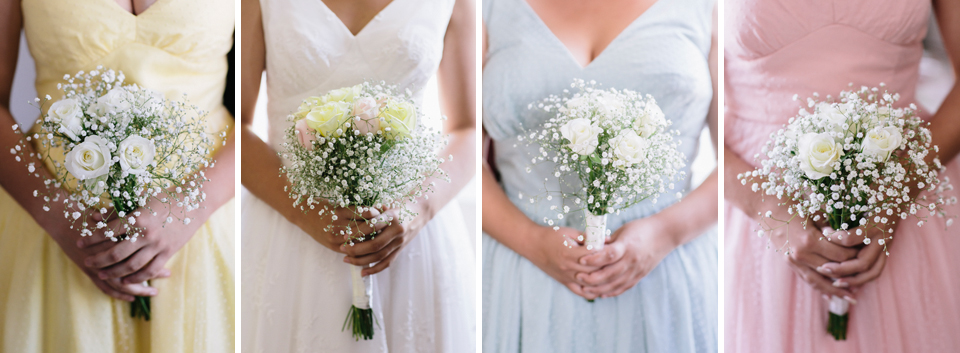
[674, 308]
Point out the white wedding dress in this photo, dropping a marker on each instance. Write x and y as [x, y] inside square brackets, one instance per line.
[296, 292]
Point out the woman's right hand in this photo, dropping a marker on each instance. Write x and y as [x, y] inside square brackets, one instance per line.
[58, 227]
[319, 226]
[809, 250]
[557, 252]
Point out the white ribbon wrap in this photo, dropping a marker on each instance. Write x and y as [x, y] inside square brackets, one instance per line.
[839, 305]
[596, 231]
[362, 288]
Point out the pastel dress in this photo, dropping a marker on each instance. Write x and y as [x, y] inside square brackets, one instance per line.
[674, 308]
[47, 304]
[775, 49]
[296, 292]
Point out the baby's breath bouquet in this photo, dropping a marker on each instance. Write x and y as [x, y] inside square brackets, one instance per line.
[616, 142]
[360, 147]
[112, 149]
[851, 163]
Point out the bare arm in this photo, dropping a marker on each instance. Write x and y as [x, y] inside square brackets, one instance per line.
[944, 124]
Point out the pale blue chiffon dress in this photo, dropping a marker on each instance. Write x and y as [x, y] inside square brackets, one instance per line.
[664, 53]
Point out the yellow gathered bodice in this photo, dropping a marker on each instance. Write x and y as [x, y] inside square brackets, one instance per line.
[175, 47]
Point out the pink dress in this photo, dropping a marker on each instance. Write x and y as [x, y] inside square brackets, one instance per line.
[775, 49]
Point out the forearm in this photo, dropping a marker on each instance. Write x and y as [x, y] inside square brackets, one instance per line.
[460, 169]
[502, 220]
[945, 128]
[689, 218]
[222, 185]
[15, 178]
[261, 175]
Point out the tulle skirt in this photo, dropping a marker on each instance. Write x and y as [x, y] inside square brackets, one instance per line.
[672, 309]
[914, 306]
[47, 304]
[296, 292]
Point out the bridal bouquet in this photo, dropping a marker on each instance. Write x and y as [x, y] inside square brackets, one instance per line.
[360, 147]
[618, 145]
[112, 149]
[851, 163]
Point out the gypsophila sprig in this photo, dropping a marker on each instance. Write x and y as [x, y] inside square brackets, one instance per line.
[618, 144]
[361, 147]
[113, 148]
[852, 162]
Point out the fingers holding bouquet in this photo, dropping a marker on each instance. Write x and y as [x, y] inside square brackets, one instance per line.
[871, 245]
[630, 254]
[378, 249]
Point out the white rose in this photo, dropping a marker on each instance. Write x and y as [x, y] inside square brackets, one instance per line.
[68, 113]
[610, 105]
[116, 100]
[834, 114]
[629, 147]
[582, 135]
[89, 159]
[649, 120]
[818, 153]
[881, 141]
[136, 153]
[572, 104]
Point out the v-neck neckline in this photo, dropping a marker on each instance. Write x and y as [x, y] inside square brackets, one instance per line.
[134, 15]
[365, 25]
[566, 49]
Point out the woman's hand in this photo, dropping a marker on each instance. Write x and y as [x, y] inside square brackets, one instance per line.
[143, 259]
[557, 253]
[319, 226]
[629, 255]
[865, 266]
[808, 252]
[68, 239]
[385, 245]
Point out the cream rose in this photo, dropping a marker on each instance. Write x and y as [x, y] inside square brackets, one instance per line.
[881, 141]
[328, 118]
[305, 135]
[648, 122]
[136, 153]
[116, 100]
[582, 135]
[400, 119]
[89, 159]
[610, 105]
[818, 153]
[346, 94]
[629, 147]
[70, 116]
[365, 115]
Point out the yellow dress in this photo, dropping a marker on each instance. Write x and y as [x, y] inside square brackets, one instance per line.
[47, 304]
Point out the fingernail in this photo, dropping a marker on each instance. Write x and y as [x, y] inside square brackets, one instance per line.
[345, 259]
[583, 261]
[88, 262]
[851, 300]
[840, 284]
[80, 243]
[824, 270]
[343, 248]
[102, 275]
[825, 297]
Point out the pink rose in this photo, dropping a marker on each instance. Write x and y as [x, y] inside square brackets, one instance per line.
[305, 134]
[365, 111]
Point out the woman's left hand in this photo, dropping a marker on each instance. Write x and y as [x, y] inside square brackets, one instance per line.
[629, 255]
[144, 259]
[386, 244]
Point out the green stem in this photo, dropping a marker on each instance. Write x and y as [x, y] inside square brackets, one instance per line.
[837, 326]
